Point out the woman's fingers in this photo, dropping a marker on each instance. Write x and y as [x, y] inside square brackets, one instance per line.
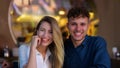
[39, 41]
[36, 40]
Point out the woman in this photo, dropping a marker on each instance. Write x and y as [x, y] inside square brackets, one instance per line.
[46, 50]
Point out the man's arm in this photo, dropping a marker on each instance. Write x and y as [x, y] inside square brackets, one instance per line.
[101, 59]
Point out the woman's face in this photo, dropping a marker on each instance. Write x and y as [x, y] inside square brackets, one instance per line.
[45, 33]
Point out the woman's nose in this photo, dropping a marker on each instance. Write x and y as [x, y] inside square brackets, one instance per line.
[45, 34]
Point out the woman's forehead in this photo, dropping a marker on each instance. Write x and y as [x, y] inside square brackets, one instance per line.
[45, 25]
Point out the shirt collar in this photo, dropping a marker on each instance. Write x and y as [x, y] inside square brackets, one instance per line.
[84, 43]
[48, 53]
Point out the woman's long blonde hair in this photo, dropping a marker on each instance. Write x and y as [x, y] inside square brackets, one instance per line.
[56, 47]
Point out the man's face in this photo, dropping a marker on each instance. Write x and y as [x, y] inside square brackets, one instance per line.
[78, 28]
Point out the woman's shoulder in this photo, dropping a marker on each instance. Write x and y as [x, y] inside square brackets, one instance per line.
[24, 47]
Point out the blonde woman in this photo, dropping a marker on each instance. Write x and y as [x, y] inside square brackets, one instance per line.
[46, 50]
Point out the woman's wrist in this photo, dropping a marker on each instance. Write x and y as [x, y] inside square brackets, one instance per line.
[32, 48]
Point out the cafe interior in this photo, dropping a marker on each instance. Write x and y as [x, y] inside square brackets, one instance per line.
[18, 18]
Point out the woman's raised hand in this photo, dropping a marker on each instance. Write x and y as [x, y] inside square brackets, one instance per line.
[36, 40]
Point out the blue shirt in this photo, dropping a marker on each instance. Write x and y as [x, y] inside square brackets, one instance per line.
[92, 53]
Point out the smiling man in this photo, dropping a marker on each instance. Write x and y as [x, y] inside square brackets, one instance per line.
[81, 50]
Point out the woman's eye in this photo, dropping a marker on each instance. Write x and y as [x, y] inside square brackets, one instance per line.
[41, 29]
[73, 24]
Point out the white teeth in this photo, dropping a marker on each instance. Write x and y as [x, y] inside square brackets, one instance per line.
[78, 33]
[44, 39]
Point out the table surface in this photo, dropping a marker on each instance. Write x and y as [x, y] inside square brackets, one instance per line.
[115, 63]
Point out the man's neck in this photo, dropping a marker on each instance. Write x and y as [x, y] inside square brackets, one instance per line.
[77, 43]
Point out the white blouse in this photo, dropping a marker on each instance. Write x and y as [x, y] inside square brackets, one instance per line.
[24, 52]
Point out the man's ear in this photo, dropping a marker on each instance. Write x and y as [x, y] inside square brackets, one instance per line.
[89, 22]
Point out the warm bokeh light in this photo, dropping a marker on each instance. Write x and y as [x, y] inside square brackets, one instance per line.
[91, 15]
[61, 12]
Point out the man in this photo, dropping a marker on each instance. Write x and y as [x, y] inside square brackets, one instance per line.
[81, 50]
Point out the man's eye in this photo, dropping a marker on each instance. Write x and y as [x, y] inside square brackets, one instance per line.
[51, 32]
[82, 24]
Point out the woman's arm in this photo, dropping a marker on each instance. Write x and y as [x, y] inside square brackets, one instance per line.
[32, 63]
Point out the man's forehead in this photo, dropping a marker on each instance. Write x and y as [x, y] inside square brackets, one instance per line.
[73, 18]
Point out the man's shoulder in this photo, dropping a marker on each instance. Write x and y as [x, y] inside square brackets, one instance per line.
[96, 38]
[98, 41]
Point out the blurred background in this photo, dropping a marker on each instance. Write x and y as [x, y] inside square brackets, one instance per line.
[18, 18]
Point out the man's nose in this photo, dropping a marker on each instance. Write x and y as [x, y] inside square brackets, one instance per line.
[78, 28]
